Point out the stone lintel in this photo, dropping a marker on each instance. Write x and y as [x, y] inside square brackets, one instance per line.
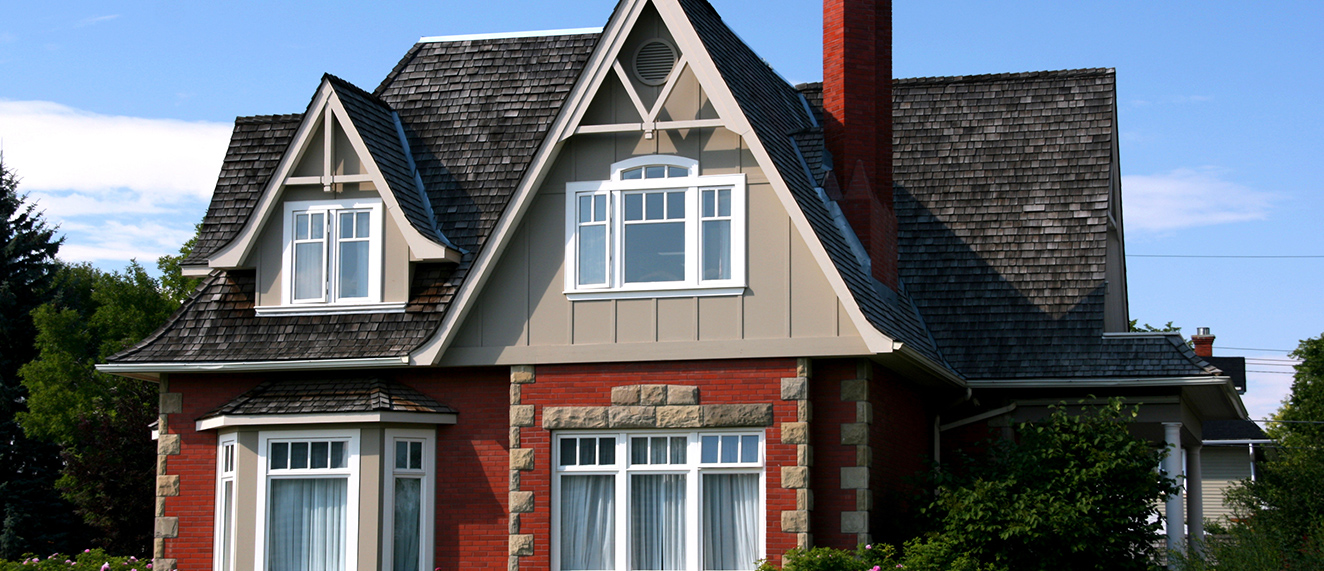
[682, 394]
[669, 416]
[632, 417]
[652, 395]
[627, 395]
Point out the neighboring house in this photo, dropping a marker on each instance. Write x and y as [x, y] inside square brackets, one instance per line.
[624, 298]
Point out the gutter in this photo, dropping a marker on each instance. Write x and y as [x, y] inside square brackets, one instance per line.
[1100, 382]
[150, 371]
[933, 366]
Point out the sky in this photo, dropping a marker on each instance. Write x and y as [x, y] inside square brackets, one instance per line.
[116, 117]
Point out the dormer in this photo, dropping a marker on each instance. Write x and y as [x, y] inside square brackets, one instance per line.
[343, 217]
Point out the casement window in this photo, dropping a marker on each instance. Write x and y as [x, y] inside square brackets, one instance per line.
[309, 497]
[656, 228]
[408, 490]
[333, 255]
[225, 504]
[658, 500]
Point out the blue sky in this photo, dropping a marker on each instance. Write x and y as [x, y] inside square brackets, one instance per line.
[116, 116]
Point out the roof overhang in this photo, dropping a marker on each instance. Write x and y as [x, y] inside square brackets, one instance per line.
[1207, 391]
[152, 371]
[235, 420]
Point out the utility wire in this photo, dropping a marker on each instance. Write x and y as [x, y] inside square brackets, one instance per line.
[1222, 257]
[1273, 372]
[1251, 349]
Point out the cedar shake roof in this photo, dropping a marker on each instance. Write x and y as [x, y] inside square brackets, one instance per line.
[1002, 194]
[473, 112]
[256, 147]
[781, 121]
[329, 396]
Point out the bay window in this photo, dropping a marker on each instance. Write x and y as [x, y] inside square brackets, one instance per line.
[658, 501]
[309, 491]
[333, 253]
[225, 505]
[658, 228]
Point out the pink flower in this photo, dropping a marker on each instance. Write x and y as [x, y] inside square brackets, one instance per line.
[105, 566]
[87, 551]
[149, 565]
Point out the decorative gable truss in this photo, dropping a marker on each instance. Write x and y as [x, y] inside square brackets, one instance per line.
[344, 121]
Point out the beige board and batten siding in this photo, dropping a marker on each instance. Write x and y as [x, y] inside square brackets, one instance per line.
[268, 256]
[1221, 467]
[524, 316]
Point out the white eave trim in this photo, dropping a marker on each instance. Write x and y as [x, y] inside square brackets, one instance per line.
[229, 420]
[195, 271]
[505, 35]
[331, 309]
[1099, 382]
[1241, 442]
[238, 366]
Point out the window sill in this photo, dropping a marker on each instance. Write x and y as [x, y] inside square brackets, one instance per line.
[331, 309]
[593, 295]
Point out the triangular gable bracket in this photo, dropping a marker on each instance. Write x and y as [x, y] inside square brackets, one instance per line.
[326, 110]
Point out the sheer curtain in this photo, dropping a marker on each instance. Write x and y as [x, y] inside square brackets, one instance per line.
[657, 521]
[404, 531]
[588, 522]
[730, 521]
[306, 526]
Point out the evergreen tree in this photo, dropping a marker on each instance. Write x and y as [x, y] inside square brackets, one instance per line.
[33, 517]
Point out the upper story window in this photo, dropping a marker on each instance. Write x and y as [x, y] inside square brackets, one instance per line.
[656, 228]
[333, 256]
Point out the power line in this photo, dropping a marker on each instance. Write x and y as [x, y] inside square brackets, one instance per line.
[1251, 349]
[1274, 372]
[1222, 257]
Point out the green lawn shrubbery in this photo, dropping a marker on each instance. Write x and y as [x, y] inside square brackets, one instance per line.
[89, 560]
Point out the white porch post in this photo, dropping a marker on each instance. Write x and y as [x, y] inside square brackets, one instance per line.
[1194, 497]
[1172, 466]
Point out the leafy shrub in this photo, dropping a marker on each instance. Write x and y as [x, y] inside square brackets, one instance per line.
[865, 558]
[89, 560]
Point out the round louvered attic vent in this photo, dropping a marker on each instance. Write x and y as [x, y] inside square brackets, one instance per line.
[653, 62]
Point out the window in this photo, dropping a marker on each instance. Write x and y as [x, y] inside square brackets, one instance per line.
[309, 491]
[225, 504]
[407, 519]
[333, 253]
[656, 228]
[654, 501]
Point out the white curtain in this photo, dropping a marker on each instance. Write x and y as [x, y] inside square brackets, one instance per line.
[588, 522]
[730, 521]
[405, 535]
[657, 522]
[306, 526]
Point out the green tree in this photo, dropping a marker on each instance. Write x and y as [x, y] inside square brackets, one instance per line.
[1281, 511]
[33, 517]
[1076, 491]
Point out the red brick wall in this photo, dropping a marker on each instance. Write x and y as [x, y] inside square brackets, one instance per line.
[473, 457]
[902, 441]
[829, 455]
[719, 382]
[196, 465]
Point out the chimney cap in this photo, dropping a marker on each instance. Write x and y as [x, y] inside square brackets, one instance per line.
[1204, 331]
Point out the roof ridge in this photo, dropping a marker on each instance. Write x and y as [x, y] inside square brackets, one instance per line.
[399, 67]
[340, 82]
[1045, 74]
[247, 119]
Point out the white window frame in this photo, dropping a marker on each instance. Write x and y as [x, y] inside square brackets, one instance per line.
[227, 460]
[351, 472]
[427, 494]
[331, 301]
[693, 469]
[693, 184]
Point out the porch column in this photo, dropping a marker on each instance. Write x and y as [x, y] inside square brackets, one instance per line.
[1172, 466]
[1194, 497]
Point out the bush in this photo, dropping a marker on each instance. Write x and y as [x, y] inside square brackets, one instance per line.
[864, 558]
[89, 560]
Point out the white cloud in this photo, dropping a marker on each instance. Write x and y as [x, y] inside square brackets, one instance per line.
[59, 149]
[94, 20]
[1187, 198]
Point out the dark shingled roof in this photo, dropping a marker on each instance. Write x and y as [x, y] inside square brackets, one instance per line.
[782, 123]
[329, 396]
[256, 147]
[1002, 193]
[473, 112]
[1233, 430]
[375, 122]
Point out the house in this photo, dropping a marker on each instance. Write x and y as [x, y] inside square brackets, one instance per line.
[591, 299]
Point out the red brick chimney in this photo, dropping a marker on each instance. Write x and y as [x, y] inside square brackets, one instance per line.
[857, 110]
[1203, 341]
